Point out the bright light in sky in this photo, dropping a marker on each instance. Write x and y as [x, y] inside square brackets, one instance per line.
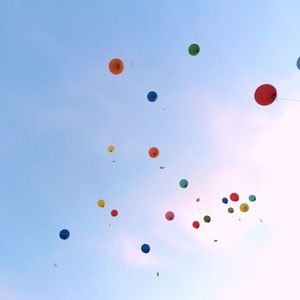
[62, 110]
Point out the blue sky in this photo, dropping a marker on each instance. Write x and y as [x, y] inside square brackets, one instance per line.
[61, 108]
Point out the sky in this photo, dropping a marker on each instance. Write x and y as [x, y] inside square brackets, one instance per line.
[60, 108]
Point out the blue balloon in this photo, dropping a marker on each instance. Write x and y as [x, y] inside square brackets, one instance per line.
[64, 234]
[298, 63]
[152, 96]
[145, 248]
[225, 200]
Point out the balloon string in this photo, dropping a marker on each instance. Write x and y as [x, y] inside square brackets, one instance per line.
[290, 99]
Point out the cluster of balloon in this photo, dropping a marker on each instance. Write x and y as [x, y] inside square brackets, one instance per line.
[145, 248]
[244, 207]
[183, 183]
[194, 49]
[170, 215]
[265, 94]
[64, 234]
[116, 66]
[153, 152]
[152, 96]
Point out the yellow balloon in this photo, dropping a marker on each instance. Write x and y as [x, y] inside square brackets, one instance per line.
[101, 203]
[111, 148]
[244, 207]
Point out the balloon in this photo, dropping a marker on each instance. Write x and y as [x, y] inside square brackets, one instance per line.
[145, 248]
[183, 183]
[244, 207]
[234, 197]
[170, 215]
[194, 49]
[196, 224]
[153, 152]
[64, 234]
[265, 94]
[225, 200]
[230, 210]
[116, 66]
[207, 219]
[101, 203]
[298, 63]
[111, 148]
[114, 213]
[252, 198]
[152, 96]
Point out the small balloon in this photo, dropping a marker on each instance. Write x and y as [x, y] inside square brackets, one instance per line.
[170, 215]
[111, 148]
[152, 96]
[183, 183]
[234, 197]
[114, 213]
[194, 49]
[116, 66]
[230, 210]
[207, 219]
[101, 203]
[298, 63]
[196, 224]
[265, 94]
[225, 200]
[64, 234]
[252, 198]
[145, 248]
[153, 152]
[244, 207]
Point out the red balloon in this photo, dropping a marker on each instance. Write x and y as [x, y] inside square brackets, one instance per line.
[170, 215]
[234, 197]
[114, 213]
[265, 94]
[196, 224]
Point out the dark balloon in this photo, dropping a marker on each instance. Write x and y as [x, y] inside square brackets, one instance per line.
[152, 96]
[64, 234]
[145, 248]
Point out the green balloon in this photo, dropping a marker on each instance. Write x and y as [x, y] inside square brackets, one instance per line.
[183, 183]
[252, 198]
[230, 210]
[194, 49]
[207, 219]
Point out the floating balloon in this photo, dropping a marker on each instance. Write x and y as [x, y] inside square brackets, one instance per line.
[64, 234]
[234, 197]
[153, 152]
[244, 207]
[145, 248]
[196, 224]
[194, 49]
[230, 210]
[265, 94]
[116, 66]
[114, 213]
[170, 215]
[101, 203]
[183, 183]
[252, 198]
[298, 63]
[207, 219]
[111, 148]
[152, 96]
[225, 200]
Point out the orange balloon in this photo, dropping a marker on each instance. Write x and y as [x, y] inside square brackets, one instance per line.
[153, 152]
[116, 66]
